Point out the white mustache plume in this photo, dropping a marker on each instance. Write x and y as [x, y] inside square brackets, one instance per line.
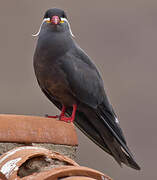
[45, 19]
[48, 19]
[64, 19]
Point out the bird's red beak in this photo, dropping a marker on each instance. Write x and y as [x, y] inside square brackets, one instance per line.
[55, 20]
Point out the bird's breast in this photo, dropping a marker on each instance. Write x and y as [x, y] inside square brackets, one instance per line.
[54, 44]
[52, 78]
[47, 65]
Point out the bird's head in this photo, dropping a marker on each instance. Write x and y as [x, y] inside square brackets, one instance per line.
[56, 20]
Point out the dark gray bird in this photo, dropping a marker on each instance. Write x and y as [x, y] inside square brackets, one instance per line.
[71, 81]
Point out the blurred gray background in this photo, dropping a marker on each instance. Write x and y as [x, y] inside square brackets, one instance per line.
[121, 38]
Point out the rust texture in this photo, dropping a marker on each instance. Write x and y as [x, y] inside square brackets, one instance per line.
[36, 163]
[71, 172]
[28, 129]
[23, 161]
[77, 178]
[66, 150]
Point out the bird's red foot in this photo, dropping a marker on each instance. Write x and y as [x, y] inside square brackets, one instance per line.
[62, 116]
[67, 119]
[57, 116]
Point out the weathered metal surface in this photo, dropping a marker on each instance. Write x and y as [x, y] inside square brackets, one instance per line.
[77, 178]
[70, 172]
[36, 163]
[28, 129]
[66, 150]
[12, 161]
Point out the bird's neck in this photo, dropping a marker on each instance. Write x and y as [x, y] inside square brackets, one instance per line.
[55, 44]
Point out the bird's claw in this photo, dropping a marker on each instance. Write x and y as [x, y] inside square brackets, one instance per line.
[57, 116]
[66, 119]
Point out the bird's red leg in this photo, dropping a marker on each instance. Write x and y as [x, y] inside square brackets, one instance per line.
[57, 116]
[63, 111]
[70, 119]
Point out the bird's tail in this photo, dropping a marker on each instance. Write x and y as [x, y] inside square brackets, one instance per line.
[99, 133]
[117, 145]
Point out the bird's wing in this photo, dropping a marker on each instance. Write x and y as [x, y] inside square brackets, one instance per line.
[83, 77]
[87, 85]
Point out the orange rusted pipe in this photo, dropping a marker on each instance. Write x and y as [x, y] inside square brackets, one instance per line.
[28, 129]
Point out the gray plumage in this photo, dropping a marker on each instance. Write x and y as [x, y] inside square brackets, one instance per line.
[67, 76]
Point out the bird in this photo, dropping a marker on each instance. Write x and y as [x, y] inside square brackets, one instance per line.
[72, 82]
